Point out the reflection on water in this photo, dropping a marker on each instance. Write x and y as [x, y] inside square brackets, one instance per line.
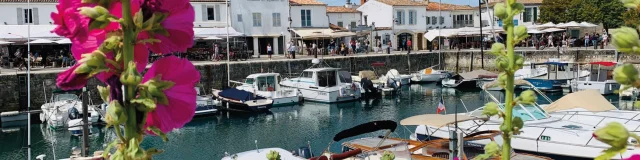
[284, 127]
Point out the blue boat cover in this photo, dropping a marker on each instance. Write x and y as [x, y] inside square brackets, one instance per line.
[553, 63]
[240, 95]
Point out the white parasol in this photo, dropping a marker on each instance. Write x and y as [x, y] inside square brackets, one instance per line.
[41, 41]
[552, 30]
[212, 38]
[547, 25]
[5, 42]
[63, 41]
[572, 24]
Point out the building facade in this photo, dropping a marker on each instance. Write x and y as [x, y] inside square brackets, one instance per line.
[344, 16]
[529, 17]
[308, 14]
[406, 18]
[263, 23]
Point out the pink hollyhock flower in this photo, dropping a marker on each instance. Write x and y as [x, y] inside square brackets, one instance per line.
[181, 96]
[69, 23]
[68, 80]
[179, 24]
[634, 157]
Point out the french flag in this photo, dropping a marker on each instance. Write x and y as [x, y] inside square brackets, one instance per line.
[441, 107]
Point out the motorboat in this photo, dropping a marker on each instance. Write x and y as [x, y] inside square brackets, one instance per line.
[262, 154]
[239, 100]
[563, 128]
[266, 85]
[559, 76]
[428, 75]
[628, 93]
[372, 84]
[205, 104]
[63, 107]
[396, 76]
[469, 80]
[602, 81]
[13, 116]
[527, 71]
[323, 84]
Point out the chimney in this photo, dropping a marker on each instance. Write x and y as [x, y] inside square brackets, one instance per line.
[348, 2]
[362, 2]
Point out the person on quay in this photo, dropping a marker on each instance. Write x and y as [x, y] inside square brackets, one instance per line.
[292, 50]
[269, 52]
[332, 47]
[409, 46]
[216, 53]
[389, 47]
[586, 40]
[594, 40]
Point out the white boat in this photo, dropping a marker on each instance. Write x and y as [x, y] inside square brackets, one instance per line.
[563, 128]
[63, 107]
[323, 84]
[205, 104]
[266, 85]
[527, 71]
[602, 81]
[396, 76]
[378, 85]
[262, 154]
[13, 116]
[630, 93]
[428, 75]
[558, 78]
[468, 80]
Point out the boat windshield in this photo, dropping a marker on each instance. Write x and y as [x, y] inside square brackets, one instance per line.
[529, 112]
[249, 81]
[64, 97]
[266, 83]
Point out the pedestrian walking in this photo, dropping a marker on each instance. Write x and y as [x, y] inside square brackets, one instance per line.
[269, 52]
[389, 47]
[409, 46]
[292, 50]
[594, 40]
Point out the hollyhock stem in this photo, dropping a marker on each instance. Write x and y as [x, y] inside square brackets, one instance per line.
[509, 86]
[131, 129]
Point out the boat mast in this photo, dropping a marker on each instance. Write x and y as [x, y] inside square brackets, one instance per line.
[228, 53]
[29, 82]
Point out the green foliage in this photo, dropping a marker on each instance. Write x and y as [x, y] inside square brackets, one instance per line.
[631, 18]
[606, 12]
[104, 93]
[273, 155]
[115, 114]
[615, 135]
[554, 11]
[490, 150]
[625, 74]
[527, 97]
[157, 131]
[490, 109]
[388, 156]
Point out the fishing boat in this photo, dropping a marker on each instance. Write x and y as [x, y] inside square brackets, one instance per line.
[323, 84]
[267, 85]
[63, 107]
[393, 74]
[238, 100]
[602, 81]
[205, 105]
[558, 76]
[469, 80]
[428, 75]
[379, 85]
[13, 116]
[560, 129]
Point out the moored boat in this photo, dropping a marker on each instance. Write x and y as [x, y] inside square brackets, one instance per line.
[238, 100]
[323, 84]
[428, 75]
[469, 80]
[267, 85]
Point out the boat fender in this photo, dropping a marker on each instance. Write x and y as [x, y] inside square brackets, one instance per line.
[73, 113]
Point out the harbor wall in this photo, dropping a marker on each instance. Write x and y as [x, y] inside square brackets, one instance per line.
[214, 74]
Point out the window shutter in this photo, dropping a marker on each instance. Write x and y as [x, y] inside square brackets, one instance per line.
[20, 16]
[34, 13]
[205, 15]
[218, 13]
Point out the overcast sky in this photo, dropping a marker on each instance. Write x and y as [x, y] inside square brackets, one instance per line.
[462, 2]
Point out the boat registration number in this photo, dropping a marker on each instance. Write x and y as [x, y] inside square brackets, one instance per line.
[545, 138]
[322, 93]
[262, 107]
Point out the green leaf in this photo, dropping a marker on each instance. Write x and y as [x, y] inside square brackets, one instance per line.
[115, 114]
[138, 19]
[625, 74]
[273, 155]
[118, 155]
[134, 150]
[151, 152]
[158, 132]
[104, 93]
[528, 97]
[146, 104]
[490, 109]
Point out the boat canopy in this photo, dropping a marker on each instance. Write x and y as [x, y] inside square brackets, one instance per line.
[240, 95]
[553, 63]
[519, 82]
[591, 100]
[477, 74]
[366, 128]
[605, 63]
[437, 120]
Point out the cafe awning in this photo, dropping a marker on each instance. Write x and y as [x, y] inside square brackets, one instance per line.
[220, 32]
[321, 33]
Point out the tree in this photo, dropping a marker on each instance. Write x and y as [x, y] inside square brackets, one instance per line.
[554, 11]
[610, 13]
[631, 18]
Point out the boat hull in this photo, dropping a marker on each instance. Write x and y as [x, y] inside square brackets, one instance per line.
[243, 107]
[545, 85]
[464, 84]
[335, 96]
[14, 116]
[286, 101]
[426, 78]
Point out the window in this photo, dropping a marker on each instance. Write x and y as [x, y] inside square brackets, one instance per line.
[239, 17]
[527, 15]
[28, 16]
[307, 74]
[412, 17]
[276, 20]
[340, 24]
[211, 15]
[535, 14]
[327, 79]
[428, 20]
[400, 17]
[306, 17]
[470, 19]
[353, 25]
[266, 83]
[257, 19]
[249, 81]
[434, 20]
[441, 20]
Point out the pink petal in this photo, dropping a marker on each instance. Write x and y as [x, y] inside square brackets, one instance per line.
[116, 10]
[634, 157]
[179, 24]
[182, 96]
[68, 80]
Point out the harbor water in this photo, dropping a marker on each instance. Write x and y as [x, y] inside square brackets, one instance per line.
[289, 128]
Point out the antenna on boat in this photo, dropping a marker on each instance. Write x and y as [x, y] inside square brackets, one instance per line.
[256, 142]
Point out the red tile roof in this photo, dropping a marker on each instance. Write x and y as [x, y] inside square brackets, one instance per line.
[434, 6]
[341, 9]
[306, 2]
[56, 1]
[401, 2]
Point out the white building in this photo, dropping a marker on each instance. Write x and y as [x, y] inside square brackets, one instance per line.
[263, 23]
[16, 12]
[529, 17]
[344, 16]
[308, 14]
[210, 13]
[442, 15]
[407, 19]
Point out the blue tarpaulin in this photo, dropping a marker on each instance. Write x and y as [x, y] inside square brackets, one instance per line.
[553, 63]
[239, 95]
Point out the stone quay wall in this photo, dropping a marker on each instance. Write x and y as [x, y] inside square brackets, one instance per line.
[214, 74]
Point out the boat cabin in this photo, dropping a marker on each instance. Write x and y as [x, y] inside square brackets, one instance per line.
[264, 81]
[526, 112]
[324, 77]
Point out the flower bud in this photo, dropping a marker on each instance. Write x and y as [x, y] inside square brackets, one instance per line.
[517, 123]
[131, 76]
[517, 8]
[104, 92]
[490, 109]
[115, 114]
[273, 155]
[625, 39]
[500, 10]
[95, 59]
[521, 31]
[83, 69]
[630, 3]
[613, 134]
[497, 49]
[625, 74]
[94, 12]
[528, 97]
